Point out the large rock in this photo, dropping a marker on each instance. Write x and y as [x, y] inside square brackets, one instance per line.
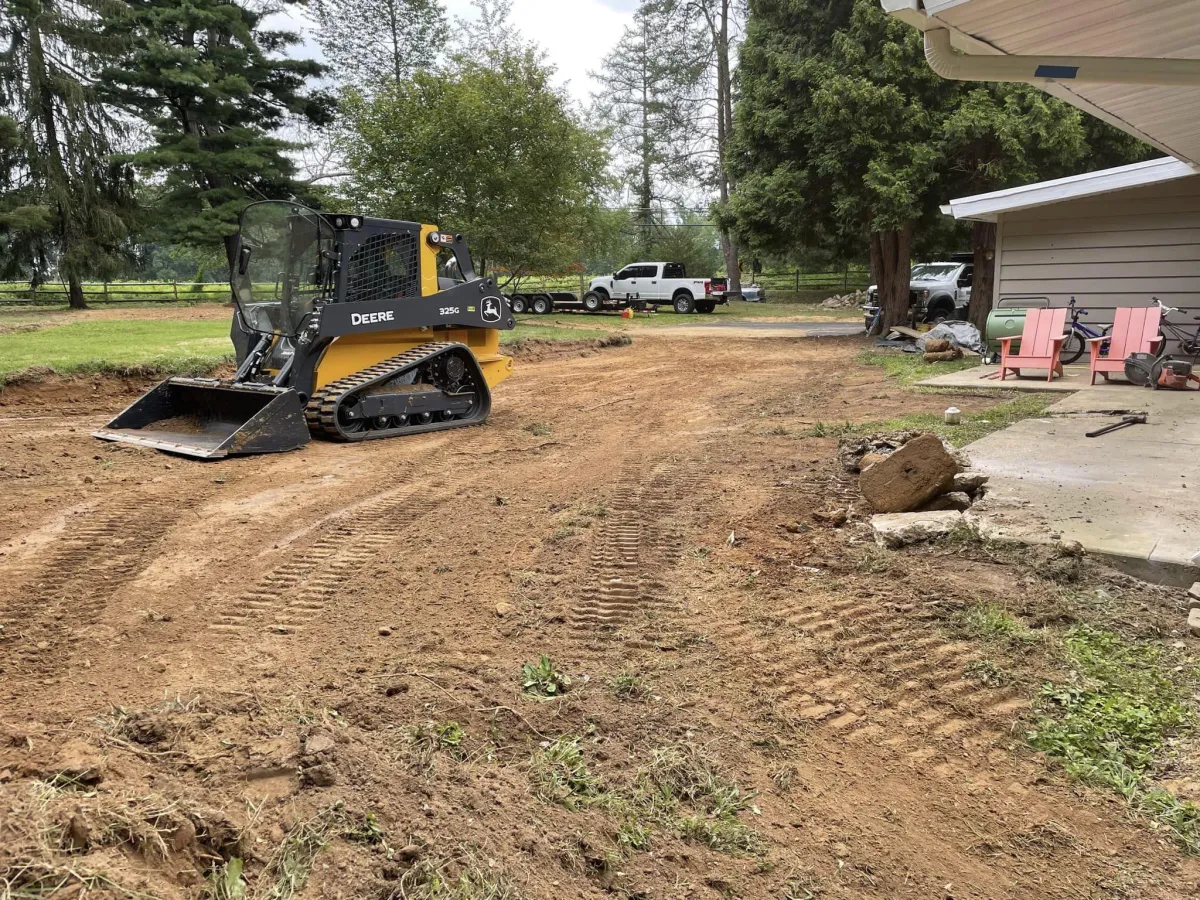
[895, 530]
[910, 477]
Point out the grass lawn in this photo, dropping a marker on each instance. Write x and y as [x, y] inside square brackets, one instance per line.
[165, 346]
[157, 346]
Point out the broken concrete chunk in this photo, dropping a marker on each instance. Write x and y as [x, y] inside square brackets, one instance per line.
[910, 477]
[955, 500]
[1194, 591]
[970, 482]
[895, 530]
[1194, 622]
[870, 459]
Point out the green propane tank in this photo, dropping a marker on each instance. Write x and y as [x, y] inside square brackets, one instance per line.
[1002, 323]
[1008, 319]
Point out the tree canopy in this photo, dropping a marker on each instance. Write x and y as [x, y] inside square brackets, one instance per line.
[369, 41]
[488, 149]
[213, 85]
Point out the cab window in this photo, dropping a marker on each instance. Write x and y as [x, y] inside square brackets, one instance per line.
[646, 272]
[626, 274]
[674, 270]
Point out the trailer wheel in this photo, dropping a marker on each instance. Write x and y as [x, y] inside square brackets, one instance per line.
[519, 304]
[706, 306]
[684, 303]
[542, 305]
[592, 301]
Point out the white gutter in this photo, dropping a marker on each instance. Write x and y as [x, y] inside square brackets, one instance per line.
[1046, 70]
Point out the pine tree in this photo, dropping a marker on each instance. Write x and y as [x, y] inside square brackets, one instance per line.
[368, 41]
[68, 205]
[207, 78]
[647, 103]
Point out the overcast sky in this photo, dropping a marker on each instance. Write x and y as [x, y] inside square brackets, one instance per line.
[576, 34]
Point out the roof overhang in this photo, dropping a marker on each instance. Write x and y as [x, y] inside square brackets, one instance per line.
[1165, 116]
[988, 207]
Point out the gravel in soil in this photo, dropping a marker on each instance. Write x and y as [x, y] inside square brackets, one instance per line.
[322, 673]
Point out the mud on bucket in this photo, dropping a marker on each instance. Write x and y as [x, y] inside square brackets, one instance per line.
[212, 419]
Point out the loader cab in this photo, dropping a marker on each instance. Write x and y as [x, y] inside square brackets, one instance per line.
[286, 265]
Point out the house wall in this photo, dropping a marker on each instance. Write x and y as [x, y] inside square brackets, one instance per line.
[1117, 250]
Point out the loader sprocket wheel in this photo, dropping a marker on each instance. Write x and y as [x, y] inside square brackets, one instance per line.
[432, 387]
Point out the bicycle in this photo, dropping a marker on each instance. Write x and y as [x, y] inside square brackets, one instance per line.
[1189, 344]
[1078, 335]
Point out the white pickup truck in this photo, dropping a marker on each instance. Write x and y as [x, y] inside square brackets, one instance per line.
[655, 284]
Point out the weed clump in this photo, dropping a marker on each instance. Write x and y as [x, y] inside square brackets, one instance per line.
[541, 679]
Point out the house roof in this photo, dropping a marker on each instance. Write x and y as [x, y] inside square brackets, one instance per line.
[986, 207]
[1167, 117]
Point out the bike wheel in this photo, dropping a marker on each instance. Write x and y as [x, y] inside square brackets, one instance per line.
[1072, 348]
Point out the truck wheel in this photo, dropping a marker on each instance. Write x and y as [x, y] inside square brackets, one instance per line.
[684, 304]
[940, 312]
[542, 305]
[592, 301]
[706, 306]
[519, 303]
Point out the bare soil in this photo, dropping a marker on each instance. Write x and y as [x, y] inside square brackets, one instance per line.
[199, 658]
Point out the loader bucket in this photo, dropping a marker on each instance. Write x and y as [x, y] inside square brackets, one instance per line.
[212, 419]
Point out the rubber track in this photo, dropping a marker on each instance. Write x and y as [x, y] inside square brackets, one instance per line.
[321, 411]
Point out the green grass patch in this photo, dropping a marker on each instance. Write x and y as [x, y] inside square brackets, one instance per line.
[561, 775]
[550, 330]
[993, 623]
[910, 368]
[973, 427]
[1112, 719]
[160, 346]
[464, 876]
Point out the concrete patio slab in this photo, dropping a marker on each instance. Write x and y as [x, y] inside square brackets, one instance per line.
[1075, 379]
[1129, 495]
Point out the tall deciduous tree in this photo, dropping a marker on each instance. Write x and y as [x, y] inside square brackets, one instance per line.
[68, 205]
[488, 149]
[845, 137]
[646, 101]
[210, 81]
[368, 41]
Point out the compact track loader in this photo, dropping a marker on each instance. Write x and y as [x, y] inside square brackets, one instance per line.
[343, 330]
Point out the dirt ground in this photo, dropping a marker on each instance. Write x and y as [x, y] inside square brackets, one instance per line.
[259, 658]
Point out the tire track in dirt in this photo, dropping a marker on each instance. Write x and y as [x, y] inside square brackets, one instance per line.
[899, 682]
[640, 543]
[87, 567]
[294, 593]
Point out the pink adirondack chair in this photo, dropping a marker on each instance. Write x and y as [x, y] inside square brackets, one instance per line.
[1041, 343]
[1134, 331]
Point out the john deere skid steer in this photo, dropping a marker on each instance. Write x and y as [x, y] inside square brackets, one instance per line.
[343, 330]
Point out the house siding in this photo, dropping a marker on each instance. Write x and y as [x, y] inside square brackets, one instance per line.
[1118, 250]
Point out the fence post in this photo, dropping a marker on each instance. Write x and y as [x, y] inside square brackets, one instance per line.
[175, 287]
[797, 281]
[33, 295]
[106, 290]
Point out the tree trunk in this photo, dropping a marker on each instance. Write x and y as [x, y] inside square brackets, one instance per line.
[896, 268]
[729, 246]
[75, 292]
[231, 252]
[983, 236]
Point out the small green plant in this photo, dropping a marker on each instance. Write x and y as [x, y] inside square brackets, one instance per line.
[992, 622]
[463, 877]
[226, 882]
[988, 673]
[629, 687]
[723, 834]
[820, 430]
[562, 776]
[634, 835]
[542, 680]
[562, 533]
[432, 737]
[538, 429]
[700, 553]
